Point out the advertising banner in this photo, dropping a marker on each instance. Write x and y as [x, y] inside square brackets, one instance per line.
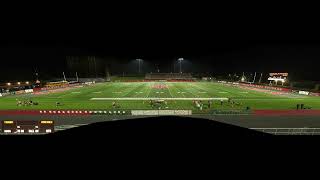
[304, 92]
[267, 87]
[20, 92]
[28, 90]
[160, 112]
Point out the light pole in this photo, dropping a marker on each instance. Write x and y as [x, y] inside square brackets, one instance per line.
[139, 61]
[180, 60]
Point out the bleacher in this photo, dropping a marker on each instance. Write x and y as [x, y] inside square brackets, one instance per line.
[168, 76]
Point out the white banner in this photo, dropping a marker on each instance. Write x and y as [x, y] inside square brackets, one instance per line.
[182, 112]
[166, 112]
[160, 112]
[28, 90]
[304, 92]
[151, 112]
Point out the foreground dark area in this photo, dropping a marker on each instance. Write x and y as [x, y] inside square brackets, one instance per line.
[158, 127]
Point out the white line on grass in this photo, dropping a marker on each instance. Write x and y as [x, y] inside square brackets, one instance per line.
[169, 91]
[135, 99]
[267, 99]
[149, 90]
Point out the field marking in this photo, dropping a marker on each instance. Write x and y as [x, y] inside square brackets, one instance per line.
[201, 88]
[169, 91]
[196, 95]
[267, 99]
[222, 92]
[150, 88]
[126, 99]
[131, 90]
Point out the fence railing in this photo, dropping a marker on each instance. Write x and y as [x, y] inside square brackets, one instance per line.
[289, 131]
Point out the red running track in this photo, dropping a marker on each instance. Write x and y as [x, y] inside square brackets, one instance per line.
[45, 112]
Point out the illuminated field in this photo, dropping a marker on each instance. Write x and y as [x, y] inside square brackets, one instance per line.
[178, 95]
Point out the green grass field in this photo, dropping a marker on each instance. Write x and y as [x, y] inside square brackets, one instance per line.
[83, 98]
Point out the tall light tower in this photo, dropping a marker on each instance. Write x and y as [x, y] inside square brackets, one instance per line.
[139, 61]
[180, 60]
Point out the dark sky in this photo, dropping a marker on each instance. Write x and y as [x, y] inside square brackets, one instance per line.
[209, 40]
[21, 60]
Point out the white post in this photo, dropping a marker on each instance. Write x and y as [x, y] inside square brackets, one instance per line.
[254, 78]
[77, 76]
[260, 78]
[180, 59]
[64, 76]
[139, 65]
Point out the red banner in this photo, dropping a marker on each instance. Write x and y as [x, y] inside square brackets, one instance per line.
[267, 87]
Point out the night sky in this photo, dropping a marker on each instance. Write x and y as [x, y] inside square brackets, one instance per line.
[209, 43]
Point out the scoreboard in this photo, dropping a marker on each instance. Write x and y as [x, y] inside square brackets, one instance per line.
[278, 77]
[27, 127]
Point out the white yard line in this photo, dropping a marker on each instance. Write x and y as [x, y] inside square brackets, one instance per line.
[266, 99]
[149, 90]
[129, 91]
[197, 87]
[169, 91]
[134, 99]
[193, 93]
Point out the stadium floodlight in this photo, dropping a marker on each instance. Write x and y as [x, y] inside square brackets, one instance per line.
[139, 60]
[27, 82]
[9, 84]
[180, 60]
[18, 83]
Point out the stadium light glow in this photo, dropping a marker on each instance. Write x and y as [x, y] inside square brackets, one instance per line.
[242, 79]
[139, 60]
[180, 60]
[27, 82]
[18, 83]
[9, 84]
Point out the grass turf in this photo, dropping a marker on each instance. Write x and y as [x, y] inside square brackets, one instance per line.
[81, 98]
